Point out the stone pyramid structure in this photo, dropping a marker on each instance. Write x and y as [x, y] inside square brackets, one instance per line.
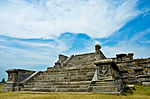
[89, 72]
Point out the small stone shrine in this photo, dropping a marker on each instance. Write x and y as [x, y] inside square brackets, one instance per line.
[89, 72]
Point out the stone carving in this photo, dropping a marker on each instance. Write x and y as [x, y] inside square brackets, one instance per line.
[103, 72]
[107, 69]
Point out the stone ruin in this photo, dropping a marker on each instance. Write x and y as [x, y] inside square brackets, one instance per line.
[89, 72]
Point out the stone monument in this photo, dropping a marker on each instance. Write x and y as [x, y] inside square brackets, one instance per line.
[88, 72]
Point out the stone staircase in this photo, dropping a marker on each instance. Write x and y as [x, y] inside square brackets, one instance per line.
[72, 75]
[58, 87]
[60, 80]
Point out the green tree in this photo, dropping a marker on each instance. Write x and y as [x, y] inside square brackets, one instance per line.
[3, 81]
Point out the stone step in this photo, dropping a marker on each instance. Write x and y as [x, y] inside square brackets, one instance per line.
[56, 89]
[60, 83]
[105, 89]
[81, 84]
[104, 84]
[75, 82]
[61, 78]
[55, 86]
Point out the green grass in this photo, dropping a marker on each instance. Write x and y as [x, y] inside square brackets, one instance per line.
[1, 86]
[141, 92]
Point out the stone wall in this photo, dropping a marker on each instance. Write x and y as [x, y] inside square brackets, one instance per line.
[17, 75]
[134, 70]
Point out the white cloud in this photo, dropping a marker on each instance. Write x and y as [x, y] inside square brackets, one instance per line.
[30, 53]
[124, 47]
[50, 18]
[129, 46]
[145, 42]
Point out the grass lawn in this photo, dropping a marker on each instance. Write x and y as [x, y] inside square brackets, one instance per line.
[141, 92]
[1, 87]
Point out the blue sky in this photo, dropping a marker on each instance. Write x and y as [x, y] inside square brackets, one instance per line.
[34, 32]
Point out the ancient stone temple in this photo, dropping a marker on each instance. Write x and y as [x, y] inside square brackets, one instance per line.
[89, 72]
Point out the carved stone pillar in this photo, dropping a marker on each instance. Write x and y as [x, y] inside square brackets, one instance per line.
[104, 69]
[106, 78]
